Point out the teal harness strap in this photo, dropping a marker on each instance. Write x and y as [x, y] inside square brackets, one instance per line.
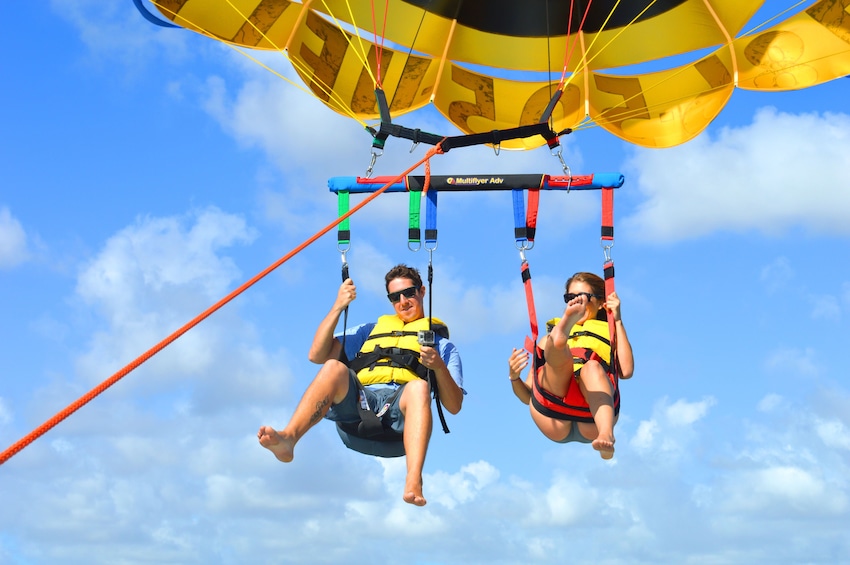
[414, 232]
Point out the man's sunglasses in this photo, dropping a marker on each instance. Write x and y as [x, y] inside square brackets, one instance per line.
[409, 292]
[570, 296]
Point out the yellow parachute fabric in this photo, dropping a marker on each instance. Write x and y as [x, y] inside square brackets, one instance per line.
[486, 64]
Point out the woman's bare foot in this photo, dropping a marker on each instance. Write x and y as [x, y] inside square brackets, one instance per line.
[604, 445]
[572, 314]
[283, 447]
[413, 491]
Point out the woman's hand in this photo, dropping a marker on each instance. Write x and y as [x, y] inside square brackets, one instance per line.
[516, 363]
[612, 305]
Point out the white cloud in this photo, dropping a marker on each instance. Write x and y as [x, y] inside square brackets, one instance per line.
[833, 433]
[770, 403]
[682, 413]
[152, 278]
[794, 361]
[670, 429]
[778, 172]
[451, 490]
[113, 32]
[569, 501]
[825, 307]
[13, 240]
[777, 489]
[777, 274]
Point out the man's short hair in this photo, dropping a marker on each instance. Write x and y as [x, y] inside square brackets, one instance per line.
[402, 271]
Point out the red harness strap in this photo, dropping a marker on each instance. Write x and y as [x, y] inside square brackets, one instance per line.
[572, 406]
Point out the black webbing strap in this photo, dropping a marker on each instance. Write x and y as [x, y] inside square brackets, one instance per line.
[345, 277]
[495, 137]
[432, 377]
[371, 425]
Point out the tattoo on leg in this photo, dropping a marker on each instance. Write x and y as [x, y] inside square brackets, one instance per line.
[320, 410]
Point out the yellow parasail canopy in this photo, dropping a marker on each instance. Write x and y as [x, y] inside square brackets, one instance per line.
[496, 64]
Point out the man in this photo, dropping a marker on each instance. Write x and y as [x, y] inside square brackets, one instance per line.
[335, 392]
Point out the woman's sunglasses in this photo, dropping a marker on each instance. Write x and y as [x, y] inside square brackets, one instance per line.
[409, 292]
[570, 296]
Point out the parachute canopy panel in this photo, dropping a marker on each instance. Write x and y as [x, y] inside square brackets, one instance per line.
[496, 64]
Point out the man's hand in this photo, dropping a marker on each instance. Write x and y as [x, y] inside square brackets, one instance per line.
[430, 357]
[346, 295]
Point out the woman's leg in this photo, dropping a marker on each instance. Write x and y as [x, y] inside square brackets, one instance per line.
[597, 390]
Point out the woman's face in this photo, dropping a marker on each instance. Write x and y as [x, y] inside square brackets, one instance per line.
[592, 305]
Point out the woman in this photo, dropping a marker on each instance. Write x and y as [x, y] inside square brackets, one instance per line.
[574, 395]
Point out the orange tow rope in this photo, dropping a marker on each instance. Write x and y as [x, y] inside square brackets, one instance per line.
[86, 398]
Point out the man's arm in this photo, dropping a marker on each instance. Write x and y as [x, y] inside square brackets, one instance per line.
[325, 346]
[451, 395]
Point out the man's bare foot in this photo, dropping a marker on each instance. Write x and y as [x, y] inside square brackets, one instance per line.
[604, 445]
[413, 492]
[572, 314]
[282, 447]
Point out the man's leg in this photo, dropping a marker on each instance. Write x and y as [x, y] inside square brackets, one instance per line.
[329, 387]
[415, 404]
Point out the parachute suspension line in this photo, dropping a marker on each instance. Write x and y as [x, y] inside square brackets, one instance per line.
[729, 40]
[774, 18]
[549, 52]
[587, 63]
[624, 113]
[89, 396]
[359, 50]
[379, 47]
[570, 45]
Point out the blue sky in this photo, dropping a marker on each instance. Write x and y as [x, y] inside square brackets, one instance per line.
[145, 173]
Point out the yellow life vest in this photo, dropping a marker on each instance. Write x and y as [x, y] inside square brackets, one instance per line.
[592, 335]
[391, 352]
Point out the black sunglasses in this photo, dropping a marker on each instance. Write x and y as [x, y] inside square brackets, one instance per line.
[570, 296]
[408, 292]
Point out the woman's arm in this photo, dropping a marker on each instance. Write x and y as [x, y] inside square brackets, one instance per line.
[517, 362]
[624, 348]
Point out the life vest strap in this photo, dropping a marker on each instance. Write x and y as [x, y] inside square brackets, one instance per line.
[389, 357]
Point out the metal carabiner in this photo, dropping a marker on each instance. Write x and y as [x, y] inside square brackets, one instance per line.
[375, 154]
[606, 251]
[525, 245]
[559, 154]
